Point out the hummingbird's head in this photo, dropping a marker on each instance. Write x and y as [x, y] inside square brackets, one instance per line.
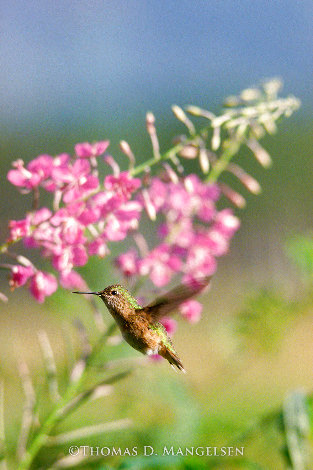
[116, 297]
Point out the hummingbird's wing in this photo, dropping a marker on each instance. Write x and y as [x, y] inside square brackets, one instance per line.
[171, 300]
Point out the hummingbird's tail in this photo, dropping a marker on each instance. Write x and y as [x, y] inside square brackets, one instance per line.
[172, 358]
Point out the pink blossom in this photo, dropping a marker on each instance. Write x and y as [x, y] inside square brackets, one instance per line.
[123, 219]
[42, 285]
[155, 358]
[21, 176]
[179, 199]
[98, 247]
[191, 310]
[64, 258]
[41, 166]
[169, 324]
[70, 230]
[206, 210]
[87, 150]
[72, 280]
[37, 171]
[97, 206]
[160, 265]
[184, 199]
[44, 235]
[199, 261]
[40, 216]
[226, 222]
[19, 229]
[92, 209]
[158, 193]
[60, 162]
[123, 184]
[20, 275]
[128, 263]
[114, 230]
[75, 180]
[217, 243]
[87, 217]
[182, 234]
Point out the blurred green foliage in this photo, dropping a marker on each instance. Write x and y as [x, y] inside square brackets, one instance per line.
[300, 249]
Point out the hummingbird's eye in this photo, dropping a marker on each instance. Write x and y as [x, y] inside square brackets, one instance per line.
[114, 292]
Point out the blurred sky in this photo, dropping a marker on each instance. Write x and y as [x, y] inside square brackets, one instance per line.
[74, 60]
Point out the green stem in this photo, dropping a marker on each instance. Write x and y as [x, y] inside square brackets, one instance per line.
[165, 156]
[222, 163]
[43, 435]
[169, 153]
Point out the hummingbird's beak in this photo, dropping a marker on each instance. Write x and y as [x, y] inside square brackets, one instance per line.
[95, 293]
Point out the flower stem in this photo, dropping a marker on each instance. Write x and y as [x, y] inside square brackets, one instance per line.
[153, 161]
[44, 433]
[222, 163]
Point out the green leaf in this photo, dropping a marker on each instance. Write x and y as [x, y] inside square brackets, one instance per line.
[296, 430]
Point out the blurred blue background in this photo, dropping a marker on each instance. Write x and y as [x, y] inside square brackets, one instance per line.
[73, 62]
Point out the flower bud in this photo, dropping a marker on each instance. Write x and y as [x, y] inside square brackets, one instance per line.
[189, 151]
[237, 199]
[259, 152]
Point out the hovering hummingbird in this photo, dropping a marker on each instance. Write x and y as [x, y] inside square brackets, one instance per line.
[140, 326]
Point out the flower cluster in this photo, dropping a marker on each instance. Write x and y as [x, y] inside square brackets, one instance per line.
[86, 215]
[192, 234]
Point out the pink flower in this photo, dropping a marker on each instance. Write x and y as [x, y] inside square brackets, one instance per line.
[64, 258]
[191, 310]
[42, 285]
[20, 275]
[217, 243]
[158, 193]
[123, 219]
[41, 166]
[206, 211]
[87, 150]
[60, 162]
[182, 234]
[155, 358]
[199, 261]
[37, 171]
[19, 229]
[179, 201]
[128, 263]
[226, 222]
[160, 264]
[123, 184]
[169, 324]
[184, 199]
[98, 247]
[194, 185]
[72, 280]
[97, 205]
[70, 230]
[40, 216]
[75, 180]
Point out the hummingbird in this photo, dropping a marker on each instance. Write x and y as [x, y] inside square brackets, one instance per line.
[140, 326]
